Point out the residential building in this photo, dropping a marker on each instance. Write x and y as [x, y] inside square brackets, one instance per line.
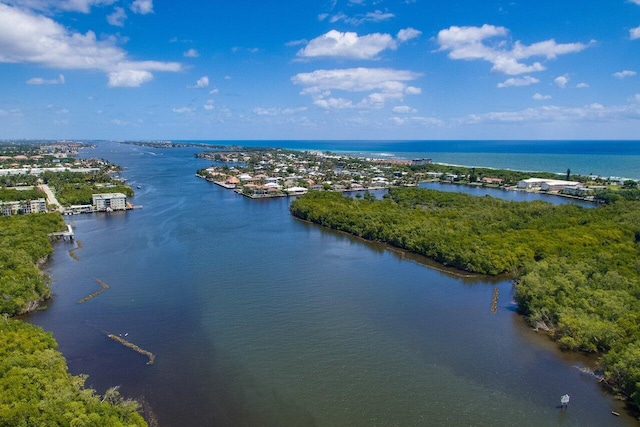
[109, 202]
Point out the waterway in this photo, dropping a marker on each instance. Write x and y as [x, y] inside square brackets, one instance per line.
[257, 318]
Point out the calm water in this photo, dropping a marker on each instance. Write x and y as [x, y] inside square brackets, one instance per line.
[259, 319]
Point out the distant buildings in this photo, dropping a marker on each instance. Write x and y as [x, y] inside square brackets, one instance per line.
[548, 184]
[23, 207]
[109, 202]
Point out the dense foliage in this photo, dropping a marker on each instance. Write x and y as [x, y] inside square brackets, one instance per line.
[11, 195]
[578, 269]
[76, 188]
[36, 388]
[23, 243]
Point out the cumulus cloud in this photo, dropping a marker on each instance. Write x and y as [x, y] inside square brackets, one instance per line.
[201, 83]
[31, 38]
[518, 81]
[623, 74]
[634, 33]
[561, 81]
[347, 45]
[142, 7]
[191, 53]
[470, 43]
[41, 81]
[129, 78]
[350, 45]
[209, 105]
[383, 83]
[541, 97]
[118, 17]
[408, 34]
[582, 85]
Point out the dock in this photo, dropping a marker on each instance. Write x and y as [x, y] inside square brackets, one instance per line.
[64, 235]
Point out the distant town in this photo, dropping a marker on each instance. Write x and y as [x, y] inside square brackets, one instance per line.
[44, 177]
[277, 173]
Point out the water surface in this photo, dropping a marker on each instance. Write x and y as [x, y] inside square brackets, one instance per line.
[257, 318]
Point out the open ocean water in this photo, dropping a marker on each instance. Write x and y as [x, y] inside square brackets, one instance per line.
[602, 158]
[256, 318]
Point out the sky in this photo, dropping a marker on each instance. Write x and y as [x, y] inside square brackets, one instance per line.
[319, 70]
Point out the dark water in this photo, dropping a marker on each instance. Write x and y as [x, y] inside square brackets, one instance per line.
[259, 319]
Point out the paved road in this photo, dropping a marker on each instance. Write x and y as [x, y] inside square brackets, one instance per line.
[51, 198]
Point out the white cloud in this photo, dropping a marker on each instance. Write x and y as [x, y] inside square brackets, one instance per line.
[518, 81]
[375, 16]
[209, 105]
[623, 74]
[416, 120]
[355, 79]
[183, 110]
[118, 17]
[408, 34]
[213, 91]
[541, 97]
[637, 97]
[582, 85]
[30, 38]
[333, 103]
[547, 114]
[561, 81]
[468, 43]
[347, 45]
[201, 83]
[41, 81]
[350, 45]
[142, 7]
[403, 109]
[129, 78]
[634, 33]
[635, 1]
[191, 53]
[273, 111]
[383, 83]
[83, 6]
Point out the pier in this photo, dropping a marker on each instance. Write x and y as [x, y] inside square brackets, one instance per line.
[67, 236]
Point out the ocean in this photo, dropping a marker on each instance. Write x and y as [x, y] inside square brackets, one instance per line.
[601, 158]
[257, 318]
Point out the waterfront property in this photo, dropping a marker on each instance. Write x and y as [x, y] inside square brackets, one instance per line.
[548, 184]
[109, 202]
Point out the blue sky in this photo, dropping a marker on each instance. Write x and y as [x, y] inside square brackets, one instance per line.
[341, 69]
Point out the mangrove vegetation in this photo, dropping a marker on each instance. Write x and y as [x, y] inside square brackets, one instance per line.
[576, 270]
